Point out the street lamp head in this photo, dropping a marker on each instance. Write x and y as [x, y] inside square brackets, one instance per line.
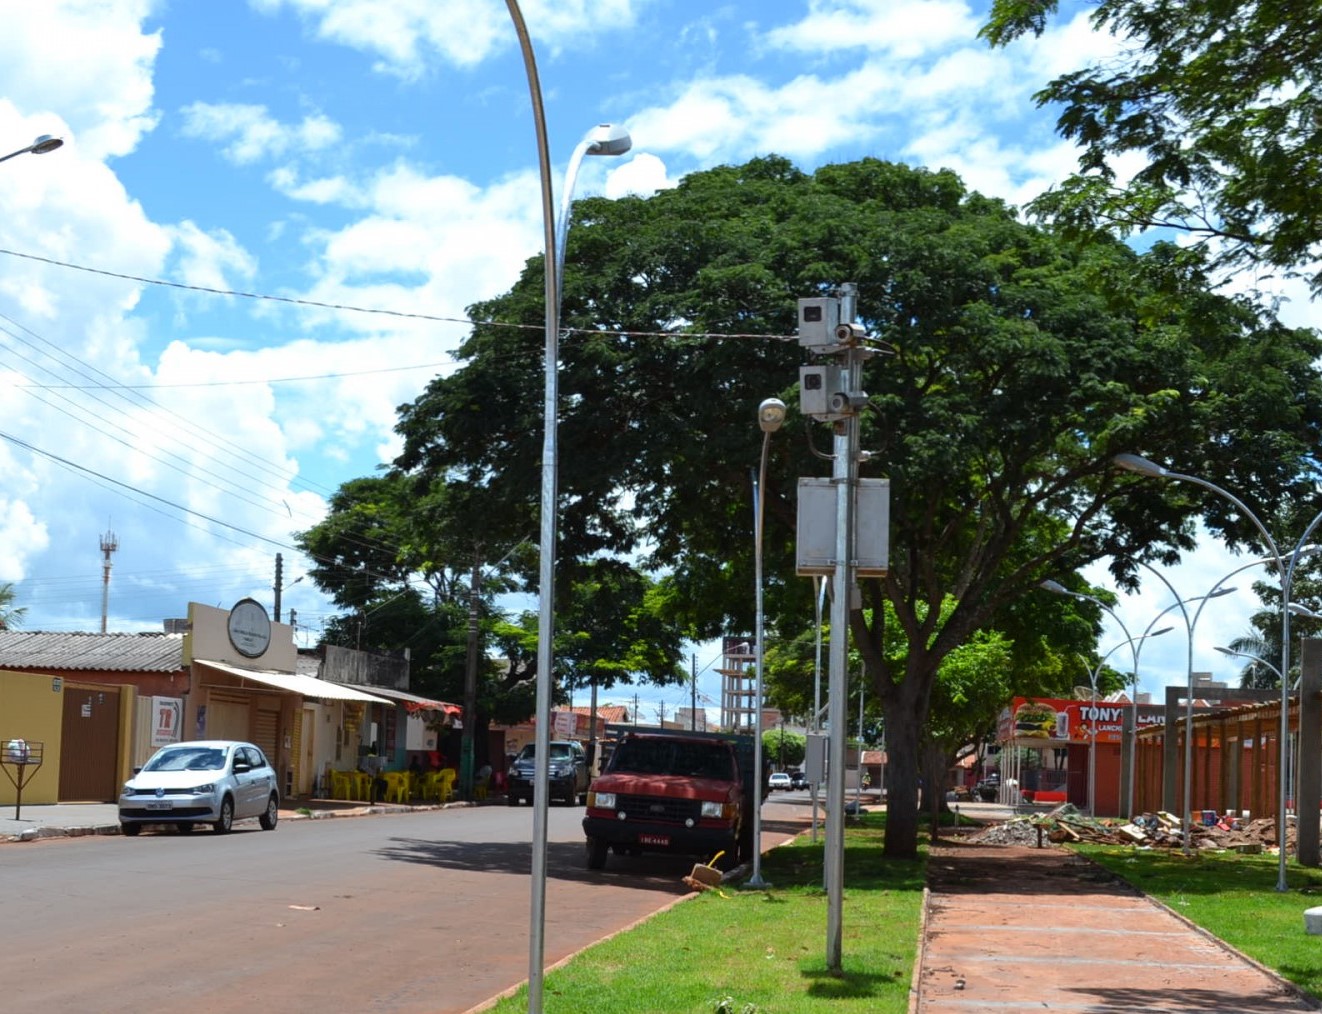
[608, 139]
[1226, 651]
[1158, 633]
[770, 415]
[1221, 591]
[1134, 463]
[1299, 609]
[1054, 586]
[45, 143]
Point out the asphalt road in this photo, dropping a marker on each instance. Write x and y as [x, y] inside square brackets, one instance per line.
[412, 912]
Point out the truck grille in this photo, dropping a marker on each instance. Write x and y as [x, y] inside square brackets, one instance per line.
[661, 809]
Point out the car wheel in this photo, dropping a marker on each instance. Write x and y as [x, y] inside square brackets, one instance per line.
[511, 799]
[597, 849]
[130, 829]
[226, 821]
[270, 815]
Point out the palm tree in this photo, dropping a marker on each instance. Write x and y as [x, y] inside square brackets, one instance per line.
[10, 614]
[1255, 675]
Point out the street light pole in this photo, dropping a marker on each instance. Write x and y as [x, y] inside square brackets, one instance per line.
[40, 146]
[546, 572]
[1093, 677]
[770, 416]
[1285, 573]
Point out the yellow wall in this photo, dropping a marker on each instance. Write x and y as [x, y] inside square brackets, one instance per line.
[32, 708]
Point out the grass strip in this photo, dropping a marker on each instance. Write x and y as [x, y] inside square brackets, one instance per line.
[1233, 897]
[738, 951]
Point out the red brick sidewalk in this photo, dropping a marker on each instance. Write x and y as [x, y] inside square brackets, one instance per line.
[1013, 928]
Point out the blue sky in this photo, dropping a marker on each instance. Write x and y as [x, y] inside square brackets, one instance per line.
[381, 154]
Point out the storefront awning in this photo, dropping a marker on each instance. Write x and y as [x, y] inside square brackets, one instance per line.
[296, 683]
[412, 701]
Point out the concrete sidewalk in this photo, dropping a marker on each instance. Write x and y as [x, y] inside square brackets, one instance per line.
[67, 820]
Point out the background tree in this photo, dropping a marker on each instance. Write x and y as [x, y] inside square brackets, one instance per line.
[11, 616]
[1023, 365]
[1219, 100]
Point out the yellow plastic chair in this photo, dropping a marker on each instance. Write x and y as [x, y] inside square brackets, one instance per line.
[397, 786]
[445, 785]
[341, 785]
[480, 788]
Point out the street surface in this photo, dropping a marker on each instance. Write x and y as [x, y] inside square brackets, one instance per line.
[411, 912]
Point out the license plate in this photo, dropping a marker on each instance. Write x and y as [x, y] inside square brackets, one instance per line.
[167, 805]
[654, 839]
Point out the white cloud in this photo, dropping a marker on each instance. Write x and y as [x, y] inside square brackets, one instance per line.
[205, 258]
[905, 28]
[643, 175]
[250, 133]
[407, 35]
[86, 65]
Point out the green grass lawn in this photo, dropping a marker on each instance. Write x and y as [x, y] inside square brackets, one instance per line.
[1234, 897]
[742, 951]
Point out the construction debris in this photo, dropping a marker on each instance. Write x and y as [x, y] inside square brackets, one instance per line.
[1208, 830]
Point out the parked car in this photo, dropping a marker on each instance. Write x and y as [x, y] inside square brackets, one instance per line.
[780, 780]
[211, 781]
[567, 774]
[798, 780]
[988, 789]
[667, 790]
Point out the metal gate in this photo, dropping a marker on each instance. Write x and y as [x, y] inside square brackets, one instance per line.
[89, 744]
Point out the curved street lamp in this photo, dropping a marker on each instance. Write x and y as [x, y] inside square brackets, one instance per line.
[770, 416]
[40, 146]
[546, 567]
[1093, 677]
[1285, 572]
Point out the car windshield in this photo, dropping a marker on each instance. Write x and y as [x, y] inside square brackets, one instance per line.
[187, 759]
[674, 757]
[558, 751]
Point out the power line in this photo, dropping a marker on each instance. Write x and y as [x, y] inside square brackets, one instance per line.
[348, 307]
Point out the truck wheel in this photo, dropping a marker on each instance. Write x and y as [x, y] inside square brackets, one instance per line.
[597, 849]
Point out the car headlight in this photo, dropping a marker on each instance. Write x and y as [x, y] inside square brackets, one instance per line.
[715, 810]
[204, 790]
[602, 800]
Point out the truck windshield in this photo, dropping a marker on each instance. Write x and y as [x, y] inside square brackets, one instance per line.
[689, 758]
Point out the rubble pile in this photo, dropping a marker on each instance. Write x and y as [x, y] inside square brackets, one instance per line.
[1150, 830]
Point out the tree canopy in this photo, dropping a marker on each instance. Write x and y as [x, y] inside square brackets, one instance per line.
[1024, 363]
[1218, 99]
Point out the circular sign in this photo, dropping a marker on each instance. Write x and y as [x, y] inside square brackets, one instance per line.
[249, 628]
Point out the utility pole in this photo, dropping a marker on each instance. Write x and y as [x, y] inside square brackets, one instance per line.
[279, 583]
[108, 546]
[470, 680]
[833, 393]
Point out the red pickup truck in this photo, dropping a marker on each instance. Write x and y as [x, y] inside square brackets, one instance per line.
[665, 790]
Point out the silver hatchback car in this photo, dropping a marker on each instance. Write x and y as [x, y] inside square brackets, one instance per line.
[209, 781]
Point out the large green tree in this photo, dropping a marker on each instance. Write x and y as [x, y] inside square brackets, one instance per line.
[1023, 364]
[1218, 99]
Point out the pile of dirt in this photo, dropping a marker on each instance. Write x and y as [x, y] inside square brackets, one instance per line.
[1153, 830]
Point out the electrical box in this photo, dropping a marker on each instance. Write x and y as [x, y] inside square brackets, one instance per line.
[816, 524]
[822, 394]
[818, 320]
[814, 758]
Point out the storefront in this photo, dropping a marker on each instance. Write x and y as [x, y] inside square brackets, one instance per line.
[1045, 746]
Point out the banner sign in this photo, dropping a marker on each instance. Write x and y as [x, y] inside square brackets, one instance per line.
[1049, 721]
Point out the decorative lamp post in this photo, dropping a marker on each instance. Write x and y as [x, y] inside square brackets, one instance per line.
[1285, 572]
[546, 572]
[770, 416]
[1093, 677]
